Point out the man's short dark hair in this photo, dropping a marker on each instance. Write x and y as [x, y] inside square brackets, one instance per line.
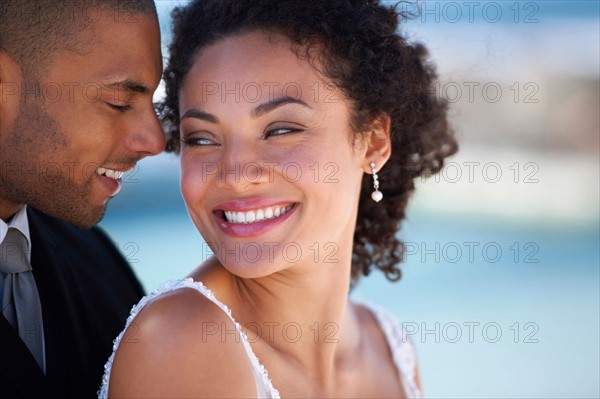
[32, 30]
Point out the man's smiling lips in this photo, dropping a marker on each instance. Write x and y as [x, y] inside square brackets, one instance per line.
[111, 179]
[113, 174]
[252, 217]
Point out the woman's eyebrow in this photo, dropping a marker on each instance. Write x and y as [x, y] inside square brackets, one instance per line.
[197, 114]
[275, 103]
[256, 112]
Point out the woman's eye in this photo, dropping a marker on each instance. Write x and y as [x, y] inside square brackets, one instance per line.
[120, 108]
[198, 141]
[280, 131]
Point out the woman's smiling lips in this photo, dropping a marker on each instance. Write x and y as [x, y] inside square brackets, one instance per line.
[252, 217]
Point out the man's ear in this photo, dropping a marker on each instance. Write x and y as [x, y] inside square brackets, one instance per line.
[378, 142]
[10, 89]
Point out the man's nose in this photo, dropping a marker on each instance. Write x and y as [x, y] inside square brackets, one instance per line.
[146, 136]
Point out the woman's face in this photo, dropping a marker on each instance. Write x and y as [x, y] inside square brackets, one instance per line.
[270, 172]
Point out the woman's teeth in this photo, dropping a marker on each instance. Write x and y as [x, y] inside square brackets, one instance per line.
[113, 174]
[256, 215]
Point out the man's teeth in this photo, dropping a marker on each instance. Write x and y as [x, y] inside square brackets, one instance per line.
[256, 215]
[113, 174]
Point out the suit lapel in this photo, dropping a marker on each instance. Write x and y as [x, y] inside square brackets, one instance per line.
[18, 366]
[50, 271]
[86, 295]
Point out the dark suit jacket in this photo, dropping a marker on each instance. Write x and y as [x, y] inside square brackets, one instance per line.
[87, 290]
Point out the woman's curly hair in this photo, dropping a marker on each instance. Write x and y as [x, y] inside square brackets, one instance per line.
[359, 50]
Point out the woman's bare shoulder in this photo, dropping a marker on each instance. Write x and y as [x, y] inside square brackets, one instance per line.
[181, 344]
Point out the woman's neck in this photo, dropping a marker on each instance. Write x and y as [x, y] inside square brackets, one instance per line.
[301, 313]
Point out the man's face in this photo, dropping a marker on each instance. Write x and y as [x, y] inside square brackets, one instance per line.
[86, 120]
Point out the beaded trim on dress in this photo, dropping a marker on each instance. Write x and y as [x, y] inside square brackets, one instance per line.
[401, 347]
[403, 351]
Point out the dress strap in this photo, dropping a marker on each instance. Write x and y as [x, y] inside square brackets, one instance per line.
[401, 347]
[264, 386]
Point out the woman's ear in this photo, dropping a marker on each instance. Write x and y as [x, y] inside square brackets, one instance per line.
[378, 142]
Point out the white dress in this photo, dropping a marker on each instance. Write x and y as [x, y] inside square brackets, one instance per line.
[401, 347]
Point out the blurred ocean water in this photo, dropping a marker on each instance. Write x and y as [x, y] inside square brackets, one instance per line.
[501, 282]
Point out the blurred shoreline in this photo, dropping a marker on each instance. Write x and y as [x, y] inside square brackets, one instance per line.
[515, 186]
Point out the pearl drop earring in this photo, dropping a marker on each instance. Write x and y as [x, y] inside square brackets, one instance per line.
[376, 195]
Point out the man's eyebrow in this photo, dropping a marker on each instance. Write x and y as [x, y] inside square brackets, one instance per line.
[197, 114]
[275, 103]
[130, 86]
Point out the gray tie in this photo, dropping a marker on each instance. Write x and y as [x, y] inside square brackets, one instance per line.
[20, 300]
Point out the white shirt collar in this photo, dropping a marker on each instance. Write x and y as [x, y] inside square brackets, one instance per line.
[20, 222]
